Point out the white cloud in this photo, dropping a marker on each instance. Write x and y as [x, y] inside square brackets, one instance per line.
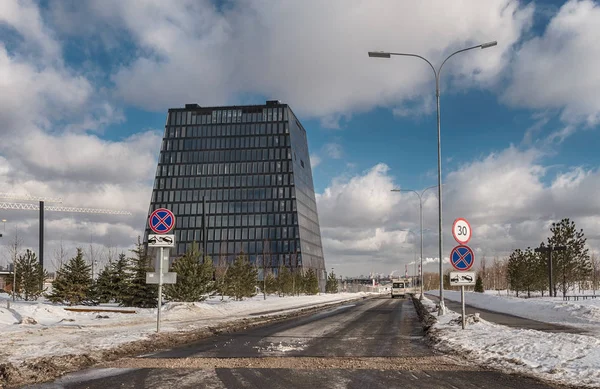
[362, 201]
[24, 17]
[559, 69]
[507, 197]
[315, 160]
[333, 150]
[254, 47]
[47, 112]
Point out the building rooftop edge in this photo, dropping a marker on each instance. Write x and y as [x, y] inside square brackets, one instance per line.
[192, 106]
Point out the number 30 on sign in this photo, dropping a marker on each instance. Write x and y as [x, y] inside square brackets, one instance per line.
[461, 230]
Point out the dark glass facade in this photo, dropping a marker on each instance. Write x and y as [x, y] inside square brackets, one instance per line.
[250, 166]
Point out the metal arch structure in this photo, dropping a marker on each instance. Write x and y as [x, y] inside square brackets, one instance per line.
[27, 197]
[41, 208]
[36, 207]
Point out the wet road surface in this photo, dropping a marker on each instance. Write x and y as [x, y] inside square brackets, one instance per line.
[374, 343]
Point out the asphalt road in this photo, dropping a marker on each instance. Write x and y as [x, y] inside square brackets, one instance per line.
[374, 343]
[507, 319]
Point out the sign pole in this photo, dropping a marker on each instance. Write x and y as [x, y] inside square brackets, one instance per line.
[161, 221]
[462, 301]
[462, 259]
[550, 278]
[160, 279]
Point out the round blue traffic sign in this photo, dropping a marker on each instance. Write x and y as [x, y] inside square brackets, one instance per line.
[462, 257]
[161, 221]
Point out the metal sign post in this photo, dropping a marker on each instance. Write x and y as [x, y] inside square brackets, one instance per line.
[462, 303]
[462, 279]
[161, 222]
[462, 259]
[160, 282]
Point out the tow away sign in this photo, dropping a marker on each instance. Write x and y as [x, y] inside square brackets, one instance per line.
[462, 278]
[161, 240]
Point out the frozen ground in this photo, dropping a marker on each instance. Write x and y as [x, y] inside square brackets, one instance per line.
[61, 332]
[558, 357]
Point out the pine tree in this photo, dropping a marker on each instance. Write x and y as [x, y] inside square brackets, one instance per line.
[479, 284]
[194, 277]
[30, 276]
[534, 277]
[73, 281]
[138, 293]
[104, 287]
[121, 278]
[298, 282]
[113, 281]
[572, 264]
[332, 283]
[284, 281]
[220, 272]
[311, 283]
[516, 271]
[241, 278]
[271, 283]
[93, 294]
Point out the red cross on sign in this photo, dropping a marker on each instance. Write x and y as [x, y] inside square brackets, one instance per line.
[462, 258]
[161, 221]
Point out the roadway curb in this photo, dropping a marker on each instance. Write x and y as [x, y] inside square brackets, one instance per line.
[426, 318]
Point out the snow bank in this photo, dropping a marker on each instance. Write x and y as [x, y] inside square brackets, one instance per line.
[563, 358]
[583, 313]
[60, 332]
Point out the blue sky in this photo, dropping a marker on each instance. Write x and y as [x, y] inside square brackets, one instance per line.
[87, 85]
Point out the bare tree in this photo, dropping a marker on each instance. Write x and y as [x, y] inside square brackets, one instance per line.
[93, 254]
[431, 281]
[110, 253]
[14, 251]
[60, 256]
[499, 274]
[483, 273]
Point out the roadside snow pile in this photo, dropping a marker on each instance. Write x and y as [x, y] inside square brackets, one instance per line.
[582, 313]
[48, 330]
[562, 358]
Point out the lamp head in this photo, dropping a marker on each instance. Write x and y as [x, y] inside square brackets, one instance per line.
[489, 44]
[379, 54]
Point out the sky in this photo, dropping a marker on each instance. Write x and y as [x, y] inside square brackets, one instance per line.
[85, 87]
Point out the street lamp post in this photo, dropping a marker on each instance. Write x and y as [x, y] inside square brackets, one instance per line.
[383, 54]
[420, 195]
[549, 250]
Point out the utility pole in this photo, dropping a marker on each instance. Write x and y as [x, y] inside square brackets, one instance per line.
[549, 250]
[204, 224]
[41, 207]
[41, 243]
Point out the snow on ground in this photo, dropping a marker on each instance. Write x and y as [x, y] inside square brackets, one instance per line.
[62, 332]
[584, 314]
[558, 357]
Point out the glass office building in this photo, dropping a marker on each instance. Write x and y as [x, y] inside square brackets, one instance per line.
[238, 179]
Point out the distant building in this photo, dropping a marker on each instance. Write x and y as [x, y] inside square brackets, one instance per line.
[250, 165]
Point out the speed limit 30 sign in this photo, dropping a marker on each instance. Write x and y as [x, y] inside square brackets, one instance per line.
[461, 230]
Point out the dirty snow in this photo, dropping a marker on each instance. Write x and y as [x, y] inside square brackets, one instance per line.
[61, 332]
[584, 314]
[558, 357]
